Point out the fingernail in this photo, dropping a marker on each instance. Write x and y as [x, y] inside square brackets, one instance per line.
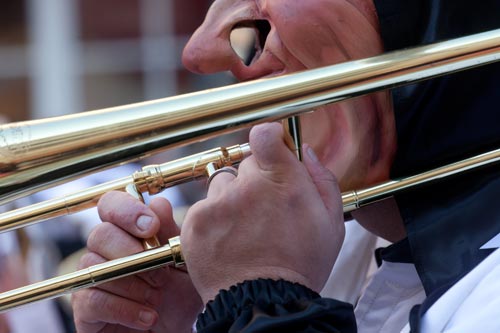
[146, 317]
[144, 222]
[312, 154]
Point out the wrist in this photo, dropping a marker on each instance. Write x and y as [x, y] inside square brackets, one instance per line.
[243, 297]
[209, 291]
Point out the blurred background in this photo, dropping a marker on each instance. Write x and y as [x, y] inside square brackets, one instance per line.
[64, 56]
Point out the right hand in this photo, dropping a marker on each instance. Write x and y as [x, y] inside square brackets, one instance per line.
[277, 219]
[162, 300]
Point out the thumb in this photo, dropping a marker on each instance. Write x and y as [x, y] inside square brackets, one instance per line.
[269, 147]
[325, 182]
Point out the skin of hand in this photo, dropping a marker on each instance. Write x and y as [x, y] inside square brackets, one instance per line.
[162, 300]
[279, 218]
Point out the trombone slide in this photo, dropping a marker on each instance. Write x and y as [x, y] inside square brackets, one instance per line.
[40, 152]
[152, 179]
[169, 254]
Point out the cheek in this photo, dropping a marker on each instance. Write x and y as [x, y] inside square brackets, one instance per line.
[325, 130]
[320, 33]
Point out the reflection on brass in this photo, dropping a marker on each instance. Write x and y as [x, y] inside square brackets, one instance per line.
[293, 138]
[152, 180]
[169, 254]
[40, 153]
[356, 199]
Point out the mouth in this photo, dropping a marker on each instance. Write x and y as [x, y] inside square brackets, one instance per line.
[248, 39]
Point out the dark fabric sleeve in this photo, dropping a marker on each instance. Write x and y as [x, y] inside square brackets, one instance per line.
[275, 306]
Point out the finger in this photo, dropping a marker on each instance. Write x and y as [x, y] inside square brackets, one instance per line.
[111, 242]
[325, 182]
[269, 147]
[220, 181]
[94, 306]
[163, 209]
[128, 213]
[132, 287]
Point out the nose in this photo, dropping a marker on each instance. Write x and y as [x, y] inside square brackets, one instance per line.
[209, 50]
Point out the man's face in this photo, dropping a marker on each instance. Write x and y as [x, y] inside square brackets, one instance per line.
[355, 139]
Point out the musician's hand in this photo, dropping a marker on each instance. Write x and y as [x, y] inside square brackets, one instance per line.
[163, 300]
[278, 218]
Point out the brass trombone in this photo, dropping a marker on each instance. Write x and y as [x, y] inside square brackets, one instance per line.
[38, 154]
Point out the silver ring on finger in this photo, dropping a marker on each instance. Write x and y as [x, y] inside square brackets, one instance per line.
[227, 169]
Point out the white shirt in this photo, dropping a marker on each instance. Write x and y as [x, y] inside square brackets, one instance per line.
[471, 305]
[388, 298]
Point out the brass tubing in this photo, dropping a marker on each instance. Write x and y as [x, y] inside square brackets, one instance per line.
[94, 275]
[64, 205]
[152, 179]
[355, 199]
[161, 256]
[292, 127]
[39, 153]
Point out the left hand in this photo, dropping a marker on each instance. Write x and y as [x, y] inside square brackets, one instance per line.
[162, 300]
[278, 219]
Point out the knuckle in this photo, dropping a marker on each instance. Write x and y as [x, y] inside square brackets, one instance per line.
[330, 177]
[120, 311]
[100, 302]
[94, 298]
[137, 289]
[119, 207]
[158, 277]
[195, 214]
[86, 303]
[89, 259]
[104, 203]
[99, 236]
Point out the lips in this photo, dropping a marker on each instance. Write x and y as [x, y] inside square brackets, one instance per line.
[290, 36]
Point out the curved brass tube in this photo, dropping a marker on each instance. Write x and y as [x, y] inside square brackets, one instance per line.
[36, 154]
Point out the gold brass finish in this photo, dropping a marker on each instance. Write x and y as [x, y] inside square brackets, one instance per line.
[40, 153]
[152, 179]
[169, 254]
[356, 199]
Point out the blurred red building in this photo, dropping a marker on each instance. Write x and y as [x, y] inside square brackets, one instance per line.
[64, 56]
